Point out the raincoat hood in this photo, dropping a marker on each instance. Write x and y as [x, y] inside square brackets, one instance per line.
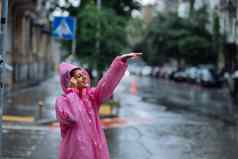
[64, 71]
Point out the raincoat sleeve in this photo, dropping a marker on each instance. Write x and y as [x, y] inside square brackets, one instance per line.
[63, 114]
[110, 80]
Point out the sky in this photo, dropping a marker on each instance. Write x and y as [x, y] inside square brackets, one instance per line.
[77, 2]
[144, 2]
[58, 12]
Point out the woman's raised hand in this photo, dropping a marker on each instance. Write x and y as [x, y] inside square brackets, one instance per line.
[73, 83]
[132, 55]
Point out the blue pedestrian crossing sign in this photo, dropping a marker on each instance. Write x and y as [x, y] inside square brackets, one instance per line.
[64, 27]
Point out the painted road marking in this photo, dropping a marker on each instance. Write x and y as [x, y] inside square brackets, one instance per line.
[125, 122]
[24, 127]
[118, 122]
[107, 123]
[12, 118]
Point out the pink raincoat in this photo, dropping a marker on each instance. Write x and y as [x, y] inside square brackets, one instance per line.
[78, 114]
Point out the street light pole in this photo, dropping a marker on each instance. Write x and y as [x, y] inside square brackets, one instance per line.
[3, 23]
[99, 5]
[74, 41]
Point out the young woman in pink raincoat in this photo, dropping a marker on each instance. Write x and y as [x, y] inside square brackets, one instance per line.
[77, 109]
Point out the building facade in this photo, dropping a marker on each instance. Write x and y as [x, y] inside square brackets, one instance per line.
[229, 23]
[226, 10]
[31, 51]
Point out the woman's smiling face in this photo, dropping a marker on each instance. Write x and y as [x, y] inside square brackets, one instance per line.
[79, 79]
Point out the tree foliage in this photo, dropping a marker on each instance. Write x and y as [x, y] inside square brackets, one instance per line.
[106, 26]
[170, 36]
[112, 36]
[135, 30]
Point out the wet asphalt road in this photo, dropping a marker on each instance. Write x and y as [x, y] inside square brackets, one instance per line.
[153, 130]
[211, 102]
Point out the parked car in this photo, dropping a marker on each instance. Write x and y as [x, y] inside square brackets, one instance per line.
[134, 69]
[180, 75]
[209, 78]
[231, 81]
[146, 71]
[192, 74]
[156, 71]
[166, 71]
[139, 68]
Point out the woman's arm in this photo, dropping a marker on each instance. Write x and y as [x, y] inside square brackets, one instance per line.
[62, 113]
[112, 77]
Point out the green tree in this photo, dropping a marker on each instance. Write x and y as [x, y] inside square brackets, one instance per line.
[191, 6]
[170, 36]
[106, 25]
[112, 36]
[135, 30]
[122, 7]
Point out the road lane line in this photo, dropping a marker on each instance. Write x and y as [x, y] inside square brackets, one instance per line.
[12, 118]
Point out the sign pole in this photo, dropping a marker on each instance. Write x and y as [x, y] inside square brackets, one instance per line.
[74, 47]
[74, 42]
[2, 62]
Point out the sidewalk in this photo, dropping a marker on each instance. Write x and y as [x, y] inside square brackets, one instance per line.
[33, 104]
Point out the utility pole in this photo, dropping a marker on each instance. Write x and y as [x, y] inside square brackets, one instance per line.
[3, 27]
[99, 6]
[74, 41]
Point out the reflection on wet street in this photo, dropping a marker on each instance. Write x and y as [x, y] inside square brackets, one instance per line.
[168, 58]
[150, 128]
[213, 102]
[174, 134]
